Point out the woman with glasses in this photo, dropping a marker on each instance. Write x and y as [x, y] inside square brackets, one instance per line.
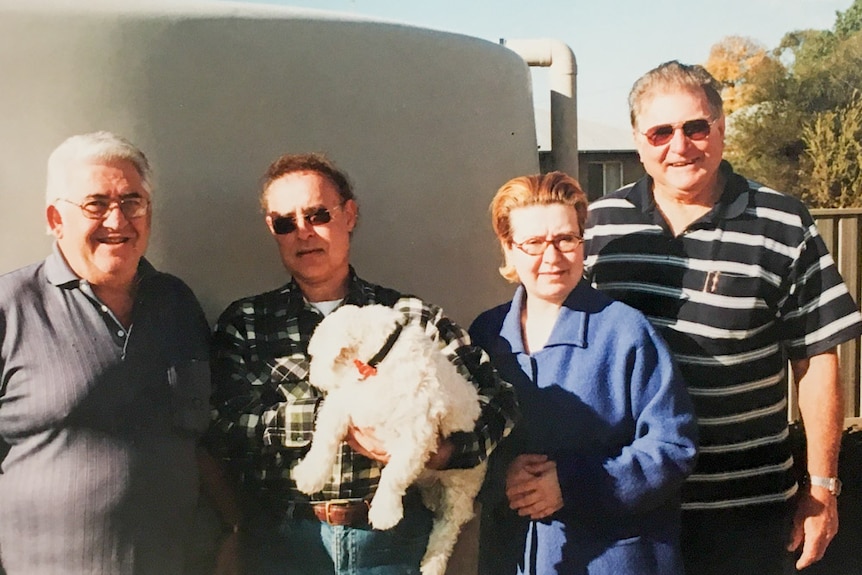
[589, 480]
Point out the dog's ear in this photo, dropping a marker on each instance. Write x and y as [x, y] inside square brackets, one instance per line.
[330, 332]
[347, 354]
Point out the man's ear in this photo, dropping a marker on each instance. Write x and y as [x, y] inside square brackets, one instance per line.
[55, 221]
[721, 125]
[351, 210]
[268, 220]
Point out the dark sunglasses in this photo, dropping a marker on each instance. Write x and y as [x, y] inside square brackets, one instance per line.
[315, 217]
[693, 129]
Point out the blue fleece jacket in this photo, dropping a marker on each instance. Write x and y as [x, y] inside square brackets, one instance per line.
[604, 400]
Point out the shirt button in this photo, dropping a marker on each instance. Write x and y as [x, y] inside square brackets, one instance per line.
[105, 309]
[121, 333]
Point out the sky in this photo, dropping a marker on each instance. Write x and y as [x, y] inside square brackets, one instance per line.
[614, 41]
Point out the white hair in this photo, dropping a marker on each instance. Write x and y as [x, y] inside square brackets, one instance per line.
[87, 148]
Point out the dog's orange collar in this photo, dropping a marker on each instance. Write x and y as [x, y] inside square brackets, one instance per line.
[369, 368]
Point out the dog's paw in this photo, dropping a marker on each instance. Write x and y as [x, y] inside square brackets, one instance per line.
[434, 565]
[309, 477]
[386, 511]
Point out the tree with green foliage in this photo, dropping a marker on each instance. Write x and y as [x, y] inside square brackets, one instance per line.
[794, 126]
[849, 21]
[831, 167]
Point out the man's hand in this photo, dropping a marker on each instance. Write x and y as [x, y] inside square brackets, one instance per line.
[363, 441]
[532, 486]
[821, 405]
[814, 525]
[440, 458]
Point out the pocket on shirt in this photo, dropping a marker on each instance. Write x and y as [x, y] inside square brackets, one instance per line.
[735, 285]
[190, 391]
[750, 301]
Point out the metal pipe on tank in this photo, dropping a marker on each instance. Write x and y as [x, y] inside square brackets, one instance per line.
[559, 58]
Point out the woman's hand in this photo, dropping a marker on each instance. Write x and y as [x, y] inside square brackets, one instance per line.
[532, 486]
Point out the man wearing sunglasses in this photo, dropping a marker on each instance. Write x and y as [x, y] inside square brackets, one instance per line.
[104, 381]
[739, 282]
[265, 407]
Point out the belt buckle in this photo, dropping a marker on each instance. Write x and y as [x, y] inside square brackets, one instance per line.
[339, 503]
[334, 502]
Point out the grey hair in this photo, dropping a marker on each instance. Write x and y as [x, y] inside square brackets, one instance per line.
[94, 147]
[676, 76]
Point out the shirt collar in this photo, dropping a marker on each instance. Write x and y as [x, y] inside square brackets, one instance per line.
[570, 328]
[357, 294]
[732, 203]
[59, 273]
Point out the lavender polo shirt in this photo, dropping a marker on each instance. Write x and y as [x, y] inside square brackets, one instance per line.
[98, 424]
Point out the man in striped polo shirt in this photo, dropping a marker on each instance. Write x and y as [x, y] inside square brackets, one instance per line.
[739, 282]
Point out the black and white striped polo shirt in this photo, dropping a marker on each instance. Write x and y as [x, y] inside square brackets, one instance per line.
[742, 290]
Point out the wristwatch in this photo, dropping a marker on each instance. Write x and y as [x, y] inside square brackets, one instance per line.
[833, 484]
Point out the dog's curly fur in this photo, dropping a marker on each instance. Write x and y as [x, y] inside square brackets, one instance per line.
[416, 396]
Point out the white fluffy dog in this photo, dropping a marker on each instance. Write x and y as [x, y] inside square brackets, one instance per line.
[404, 387]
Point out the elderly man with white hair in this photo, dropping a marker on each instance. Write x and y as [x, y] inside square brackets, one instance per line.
[104, 381]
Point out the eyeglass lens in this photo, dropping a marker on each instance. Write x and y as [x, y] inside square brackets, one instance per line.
[693, 130]
[563, 243]
[287, 224]
[131, 208]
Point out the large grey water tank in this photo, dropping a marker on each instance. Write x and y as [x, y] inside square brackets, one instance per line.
[428, 124]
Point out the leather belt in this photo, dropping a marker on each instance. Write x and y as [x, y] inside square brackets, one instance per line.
[343, 512]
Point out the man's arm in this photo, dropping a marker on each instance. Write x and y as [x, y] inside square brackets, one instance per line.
[224, 499]
[250, 413]
[821, 404]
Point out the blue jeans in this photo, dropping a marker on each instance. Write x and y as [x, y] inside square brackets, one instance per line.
[286, 546]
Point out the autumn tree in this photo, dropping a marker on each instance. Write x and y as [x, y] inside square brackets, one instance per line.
[736, 62]
[793, 128]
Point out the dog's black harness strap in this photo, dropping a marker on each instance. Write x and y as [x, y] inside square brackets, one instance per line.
[387, 346]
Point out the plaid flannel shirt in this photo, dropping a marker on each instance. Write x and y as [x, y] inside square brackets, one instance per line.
[264, 406]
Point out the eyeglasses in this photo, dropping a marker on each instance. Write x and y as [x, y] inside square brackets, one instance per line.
[693, 129]
[131, 207]
[318, 216]
[565, 243]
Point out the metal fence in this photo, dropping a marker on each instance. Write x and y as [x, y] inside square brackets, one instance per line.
[842, 231]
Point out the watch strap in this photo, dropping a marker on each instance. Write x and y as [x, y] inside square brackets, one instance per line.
[832, 484]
